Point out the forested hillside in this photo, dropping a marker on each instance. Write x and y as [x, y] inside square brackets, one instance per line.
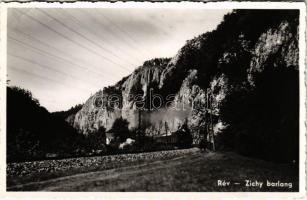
[32, 132]
[241, 78]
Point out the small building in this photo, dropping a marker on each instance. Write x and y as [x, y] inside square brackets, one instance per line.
[109, 137]
[167, 139]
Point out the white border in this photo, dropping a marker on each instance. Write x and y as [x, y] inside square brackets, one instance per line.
[3, 78]
[158, 195]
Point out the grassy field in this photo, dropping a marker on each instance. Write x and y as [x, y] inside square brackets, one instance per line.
[178, 170]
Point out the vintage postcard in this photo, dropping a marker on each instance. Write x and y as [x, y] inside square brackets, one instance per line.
[194, 100]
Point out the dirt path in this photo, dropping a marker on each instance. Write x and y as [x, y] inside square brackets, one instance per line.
[193, 172]
[84, 180]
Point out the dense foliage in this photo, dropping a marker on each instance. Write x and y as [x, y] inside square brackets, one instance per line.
[262, 114]
[65, 114]
[265, 120]
[32, 131]
[120, 130]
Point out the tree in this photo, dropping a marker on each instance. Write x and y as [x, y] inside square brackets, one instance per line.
[72, 111]
[185, 138]
[32, 131]
[120, 129]
[96, 139]
[264, 120]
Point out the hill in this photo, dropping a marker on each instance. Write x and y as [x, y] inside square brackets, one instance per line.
[239, 81]
[33, 132]
[69, 114]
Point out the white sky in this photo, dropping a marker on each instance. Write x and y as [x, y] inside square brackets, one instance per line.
[64, 55]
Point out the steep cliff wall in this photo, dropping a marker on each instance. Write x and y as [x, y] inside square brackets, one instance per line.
[120, 100]
[203, 76]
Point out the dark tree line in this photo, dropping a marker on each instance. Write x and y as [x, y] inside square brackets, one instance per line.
[32, 131]
[264, 121]
[65, 114]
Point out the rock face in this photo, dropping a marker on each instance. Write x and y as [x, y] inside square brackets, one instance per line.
[120, 100]
[200, 78]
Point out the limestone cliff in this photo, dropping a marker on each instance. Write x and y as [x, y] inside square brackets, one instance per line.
[201, 77]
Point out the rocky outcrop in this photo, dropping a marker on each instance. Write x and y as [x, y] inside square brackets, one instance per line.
[282, 43]
[120, 100]
[199, 79]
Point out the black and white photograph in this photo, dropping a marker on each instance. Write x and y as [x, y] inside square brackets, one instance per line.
[149, 98]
